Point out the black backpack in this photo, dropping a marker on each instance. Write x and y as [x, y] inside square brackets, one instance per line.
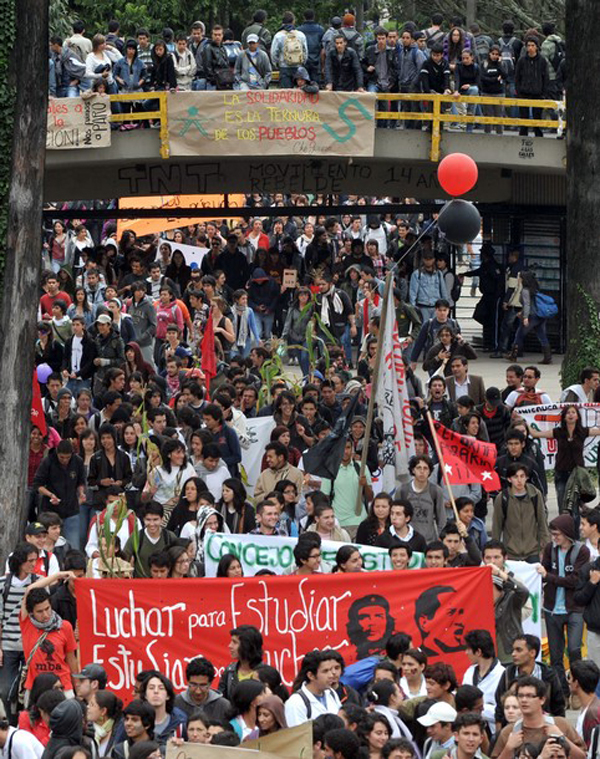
[456, 289]
[559, 54]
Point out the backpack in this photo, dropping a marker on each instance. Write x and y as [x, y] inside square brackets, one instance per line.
[534, 500]
[507, 56]
[307, 703]
[293, 52]
[545, 306]
[559, 54]
[482, 47]
[433, 38]
[353, 41]
[456, 289]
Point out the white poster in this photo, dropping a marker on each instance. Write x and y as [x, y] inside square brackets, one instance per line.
[191, 253]
[258, 432]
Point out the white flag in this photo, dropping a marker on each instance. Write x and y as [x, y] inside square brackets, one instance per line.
[393, 405]
[258, 432]
[191, 253]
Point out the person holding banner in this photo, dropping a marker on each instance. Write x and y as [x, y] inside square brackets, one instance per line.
[570, 436]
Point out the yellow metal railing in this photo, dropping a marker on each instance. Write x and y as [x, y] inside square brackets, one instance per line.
[160, 115]
[438, 115]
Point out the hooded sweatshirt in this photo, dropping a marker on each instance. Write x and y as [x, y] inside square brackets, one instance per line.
[263, 291]
[563, 568]
[215, 706]
[66, 725]
[275, 705]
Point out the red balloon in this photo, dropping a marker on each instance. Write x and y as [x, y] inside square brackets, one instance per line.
[457, 174]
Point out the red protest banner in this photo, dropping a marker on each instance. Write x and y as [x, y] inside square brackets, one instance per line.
[161, 624]
[467, 459]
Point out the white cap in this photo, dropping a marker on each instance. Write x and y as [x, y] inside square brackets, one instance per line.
[440, 712]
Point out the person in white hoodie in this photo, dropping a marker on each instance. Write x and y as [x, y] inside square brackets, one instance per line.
[184, 62]
[99, 63]
[313, 694]
[589, 380]
[485, 671]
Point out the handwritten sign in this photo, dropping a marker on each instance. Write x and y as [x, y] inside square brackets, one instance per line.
[292, 743]
[206, 751]
[77, 123]
[167, 202]
[271, 122]
[290, 278]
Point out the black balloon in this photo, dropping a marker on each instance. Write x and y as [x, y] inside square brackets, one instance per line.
[460, 221]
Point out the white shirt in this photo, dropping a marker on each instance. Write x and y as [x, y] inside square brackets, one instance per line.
[487, 686]
[512, 398]
[296, 711]
[76, 354]
[24, 745]
[124, 534]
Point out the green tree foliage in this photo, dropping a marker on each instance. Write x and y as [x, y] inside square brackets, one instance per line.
[587, 339]
[60, 18]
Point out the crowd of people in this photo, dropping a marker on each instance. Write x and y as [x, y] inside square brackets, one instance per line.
[141, 457]
[445, 58]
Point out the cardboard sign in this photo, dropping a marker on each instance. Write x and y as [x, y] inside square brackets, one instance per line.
[75, 123]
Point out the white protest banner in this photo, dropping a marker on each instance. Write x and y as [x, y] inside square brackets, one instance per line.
[256, 552]
[258, 432]
[191, 253]
[393, 404]
[532, 580]
[547, 416]
[78, 123]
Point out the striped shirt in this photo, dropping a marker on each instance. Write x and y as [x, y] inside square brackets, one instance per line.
[9, 612]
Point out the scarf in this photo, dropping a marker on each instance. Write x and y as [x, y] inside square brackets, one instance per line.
[102, 731]
[336, 302]
[240, 316]
[54, 623]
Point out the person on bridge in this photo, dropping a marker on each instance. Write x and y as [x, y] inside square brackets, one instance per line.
[342, 68]
[380, 67]
[532, 79]
[289, 50]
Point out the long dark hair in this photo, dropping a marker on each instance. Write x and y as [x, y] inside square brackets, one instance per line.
[342, 556]
[529, 281]
[563, 420]
[169, 447]
[372, 520]
[106, 699]
[239, 494]
[42, 683]
[251, 644]
[225, 562]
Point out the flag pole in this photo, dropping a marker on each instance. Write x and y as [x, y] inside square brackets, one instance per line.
[438, 450]
[374, 383]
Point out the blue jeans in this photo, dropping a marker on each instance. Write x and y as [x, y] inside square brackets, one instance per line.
[264, 324]
[198, 85]
[287, 75]
[8, 672]
[470, 107]
[555, 625]
[537, 324]
[382, 106]
[70, 530]
[347, 344]
[86, 512]
[302, 356]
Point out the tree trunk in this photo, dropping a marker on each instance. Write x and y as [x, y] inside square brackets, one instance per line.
[20, 247]
[583, 183]
[471, 12]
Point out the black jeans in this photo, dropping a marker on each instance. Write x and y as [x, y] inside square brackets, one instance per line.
[525, 112]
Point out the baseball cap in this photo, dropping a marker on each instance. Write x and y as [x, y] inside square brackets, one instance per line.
[35, 528]
[104, 319]
[93, 672]
[440, 712]
[252, 38]
[492, 395]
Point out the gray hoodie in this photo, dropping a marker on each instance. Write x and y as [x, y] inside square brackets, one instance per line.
[143, 315]
[216, 706]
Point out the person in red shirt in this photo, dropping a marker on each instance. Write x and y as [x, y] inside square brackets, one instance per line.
[48, 640]
[52, 294]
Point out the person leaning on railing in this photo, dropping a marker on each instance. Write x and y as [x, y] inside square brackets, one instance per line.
[435, 75]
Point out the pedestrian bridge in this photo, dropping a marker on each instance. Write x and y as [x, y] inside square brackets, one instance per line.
[513, 170]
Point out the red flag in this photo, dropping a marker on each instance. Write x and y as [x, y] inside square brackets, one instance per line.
[467, 460]
[209, 358]
[37, 411]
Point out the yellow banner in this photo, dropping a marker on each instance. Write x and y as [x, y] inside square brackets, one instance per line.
[271, 122]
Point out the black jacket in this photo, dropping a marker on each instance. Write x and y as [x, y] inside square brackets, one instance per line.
[492, 77]
[86, 367]
[370, 59]
[101, 469]
[435, 77]
[531, 76]
[65, 604]
[555, 702]
[345, 73]
[588, 595]
[214, 57]
[61, 480]
[235, 266]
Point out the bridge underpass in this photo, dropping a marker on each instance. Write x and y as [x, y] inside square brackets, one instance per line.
[512, 169]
